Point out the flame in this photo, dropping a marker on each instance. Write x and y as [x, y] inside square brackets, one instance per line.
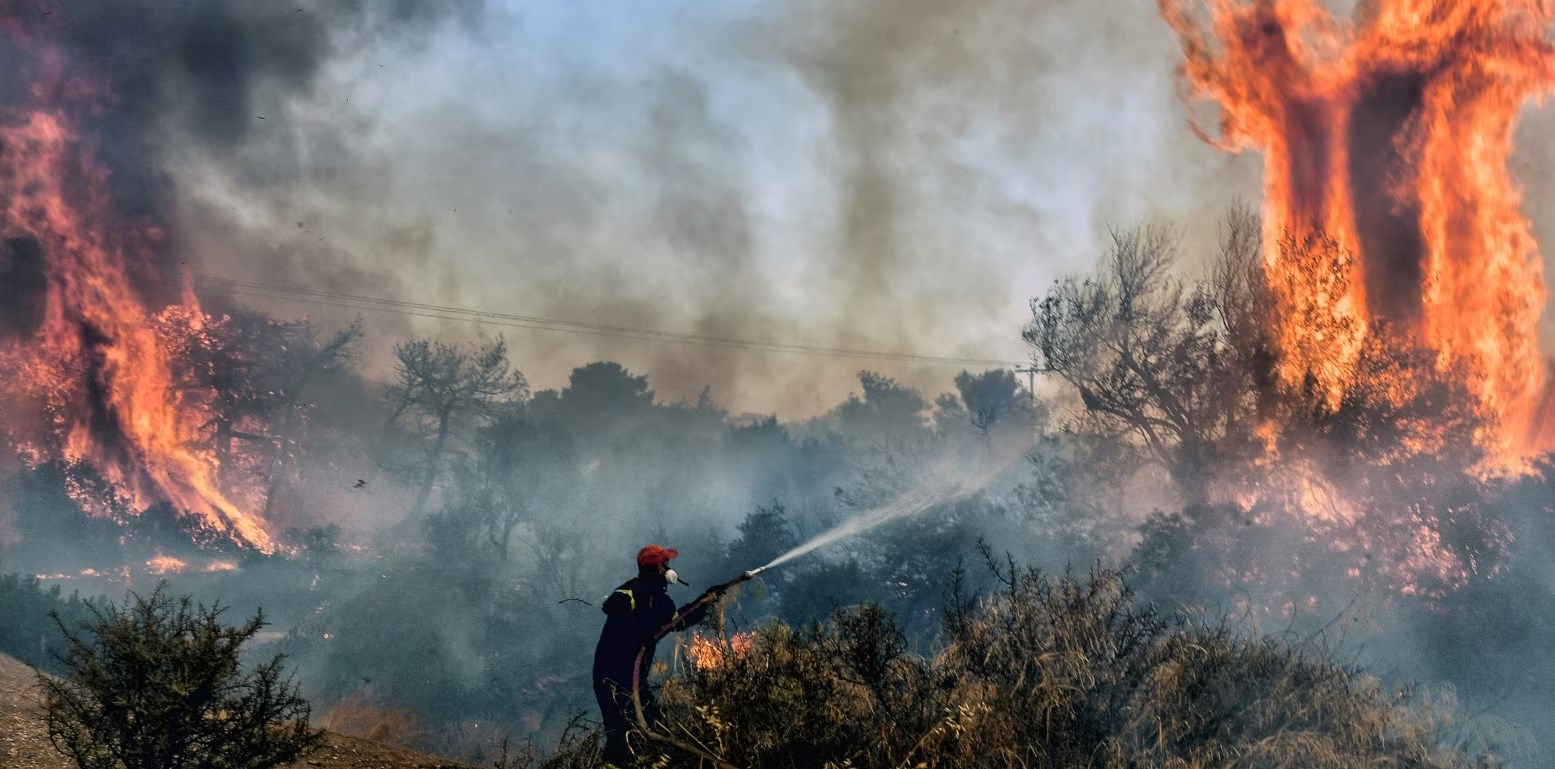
[165, 564]
[713, 653]
[1388, 137]
[92, 357]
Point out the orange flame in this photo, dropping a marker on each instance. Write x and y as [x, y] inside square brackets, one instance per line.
[93, 357]
[1390, 135]
[165, 564]
[713, 653]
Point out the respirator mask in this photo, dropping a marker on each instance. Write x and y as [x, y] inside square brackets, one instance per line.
[671, 578]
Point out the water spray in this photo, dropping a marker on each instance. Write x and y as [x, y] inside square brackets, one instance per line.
[920, 499]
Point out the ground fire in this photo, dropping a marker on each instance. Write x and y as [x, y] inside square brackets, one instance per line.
[711, 653]
[1391, 134]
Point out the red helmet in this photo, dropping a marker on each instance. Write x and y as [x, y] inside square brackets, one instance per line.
[653, 556]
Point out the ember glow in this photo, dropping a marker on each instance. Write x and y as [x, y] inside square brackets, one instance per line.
[87, 353]
[1390, 134]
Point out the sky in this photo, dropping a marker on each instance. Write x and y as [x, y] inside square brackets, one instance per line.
[900, 176]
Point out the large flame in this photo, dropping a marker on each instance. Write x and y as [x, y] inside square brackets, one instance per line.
[1390, 135]
[89, 353]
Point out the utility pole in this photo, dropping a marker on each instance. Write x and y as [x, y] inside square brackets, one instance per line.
[1031, 382]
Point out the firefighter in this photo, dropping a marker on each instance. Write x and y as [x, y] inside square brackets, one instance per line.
[637, 615]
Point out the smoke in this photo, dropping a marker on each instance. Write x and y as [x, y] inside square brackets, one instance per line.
[874, 175]
[207, 71]
[865, 175]
[153, 82]
[885, 174]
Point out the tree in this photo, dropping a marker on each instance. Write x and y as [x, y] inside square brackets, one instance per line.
[1176, 368]
[250, 373]
[602, 406]
[605, 390]
[764, 535]
[438, 387]
[156, 684]
[996, 403]
[306, 360]
[521, 467]
[889, 411]
[1281, 417]
[27, 634]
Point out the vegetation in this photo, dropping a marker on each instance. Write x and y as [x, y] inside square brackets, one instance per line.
[29, 632]
[438, 386]
[156, 683]
[1043, 672]
[1224, 467]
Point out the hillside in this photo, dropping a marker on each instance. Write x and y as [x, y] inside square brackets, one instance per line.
[24, 742]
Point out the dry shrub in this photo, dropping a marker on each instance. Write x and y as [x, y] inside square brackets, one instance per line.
[1046, 672]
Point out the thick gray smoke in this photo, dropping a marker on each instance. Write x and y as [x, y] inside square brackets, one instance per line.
[210, 77]
[877, 175]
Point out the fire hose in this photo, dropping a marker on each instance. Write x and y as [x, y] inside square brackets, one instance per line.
[706, 599]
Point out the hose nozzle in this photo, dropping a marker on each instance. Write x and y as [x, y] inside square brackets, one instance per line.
[715, 592]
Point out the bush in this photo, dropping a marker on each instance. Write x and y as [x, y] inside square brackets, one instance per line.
[157, 684]
[1046, 672]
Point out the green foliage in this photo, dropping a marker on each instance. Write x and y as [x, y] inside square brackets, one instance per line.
[156, 683]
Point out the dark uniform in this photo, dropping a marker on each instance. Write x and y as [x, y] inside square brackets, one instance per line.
[638, 614]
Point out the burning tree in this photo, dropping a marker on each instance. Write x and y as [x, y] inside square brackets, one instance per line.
[91, 356]
[1376, 479]
[250, 376]
[85, 296]
[1390, 134]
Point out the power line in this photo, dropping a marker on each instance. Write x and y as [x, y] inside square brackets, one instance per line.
[359, 302]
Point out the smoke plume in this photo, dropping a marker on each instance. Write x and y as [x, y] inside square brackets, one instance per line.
[867, 176]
